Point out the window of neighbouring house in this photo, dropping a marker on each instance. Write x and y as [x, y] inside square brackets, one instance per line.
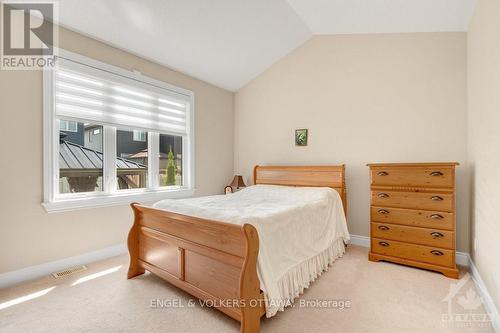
[140, 136]
[68, 125]
[119, 136]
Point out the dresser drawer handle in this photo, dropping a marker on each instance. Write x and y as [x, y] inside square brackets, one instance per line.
[383, 211]
[437, 235]
[436, 217]
[383, 174]
[384, 244]
[383, 227]
[437, 198]
[436, 173]
[383, 195]
[437, 253]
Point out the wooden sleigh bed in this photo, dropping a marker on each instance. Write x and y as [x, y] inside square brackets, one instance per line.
[212, 260]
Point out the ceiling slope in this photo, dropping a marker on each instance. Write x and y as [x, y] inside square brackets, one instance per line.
[230, 42]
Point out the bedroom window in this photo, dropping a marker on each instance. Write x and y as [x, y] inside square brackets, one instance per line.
[113, 137]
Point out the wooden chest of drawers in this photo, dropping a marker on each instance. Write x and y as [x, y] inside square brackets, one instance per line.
[412, 215]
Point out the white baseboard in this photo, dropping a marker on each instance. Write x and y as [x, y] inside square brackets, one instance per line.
[485, 296]
[38, 271]
[360, 240]
[462, 258]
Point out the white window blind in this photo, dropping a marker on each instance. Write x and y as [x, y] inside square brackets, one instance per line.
[87, 93]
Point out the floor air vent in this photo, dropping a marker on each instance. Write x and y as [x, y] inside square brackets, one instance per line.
[69, 271]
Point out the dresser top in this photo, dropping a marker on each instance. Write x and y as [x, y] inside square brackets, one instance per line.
[412, 164]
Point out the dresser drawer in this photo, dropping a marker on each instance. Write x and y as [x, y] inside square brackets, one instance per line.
[412, 217]
[413, 176]
[414, 200]
[424, 236]
[422, 253]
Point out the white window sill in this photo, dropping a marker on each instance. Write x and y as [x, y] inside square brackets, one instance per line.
[68, 204]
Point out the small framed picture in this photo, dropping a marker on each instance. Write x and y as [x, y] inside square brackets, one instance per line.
[301, 137]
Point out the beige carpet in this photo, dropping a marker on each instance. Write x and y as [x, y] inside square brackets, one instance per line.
[384, 298]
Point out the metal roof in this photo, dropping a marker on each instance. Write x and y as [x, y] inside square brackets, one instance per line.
[73, 156]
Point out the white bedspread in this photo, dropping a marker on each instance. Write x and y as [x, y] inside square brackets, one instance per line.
[301, 232]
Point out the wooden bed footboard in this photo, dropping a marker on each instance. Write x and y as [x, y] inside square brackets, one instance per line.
[211, 260]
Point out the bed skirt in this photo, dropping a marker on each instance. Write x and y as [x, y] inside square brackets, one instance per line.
[298, 278]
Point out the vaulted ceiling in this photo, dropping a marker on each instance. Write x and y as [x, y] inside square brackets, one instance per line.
[230, 42]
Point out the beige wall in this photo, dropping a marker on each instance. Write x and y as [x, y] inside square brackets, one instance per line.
[29, 235]
[484, 140]
[364, 98]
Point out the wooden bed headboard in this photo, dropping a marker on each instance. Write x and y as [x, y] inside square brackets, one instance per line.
[317, 176]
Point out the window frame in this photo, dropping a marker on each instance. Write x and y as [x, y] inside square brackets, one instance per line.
[53, 201]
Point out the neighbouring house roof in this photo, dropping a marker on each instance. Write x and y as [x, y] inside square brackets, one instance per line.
[75, 159]
[144, 154]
